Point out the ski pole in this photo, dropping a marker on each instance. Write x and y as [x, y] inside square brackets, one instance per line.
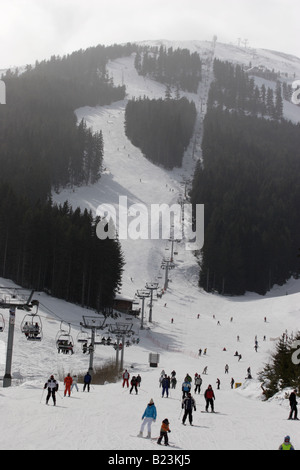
[42, 396]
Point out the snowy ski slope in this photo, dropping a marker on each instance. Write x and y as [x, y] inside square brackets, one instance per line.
[109, 417]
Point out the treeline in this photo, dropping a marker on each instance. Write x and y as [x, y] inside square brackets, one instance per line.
[55, 249]
[248, 182]
[43, 148]
[283, 369]
[234, 89]
[179, 67]
[162, 129]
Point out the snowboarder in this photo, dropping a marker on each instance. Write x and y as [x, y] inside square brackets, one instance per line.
[148, 417]
[126, 376]
[188, 405]
[52, 387]
[87, 381]
[134, 384]
[164, 430]
[293, 405]
[68, 382]
[209, 397]
[286, 445]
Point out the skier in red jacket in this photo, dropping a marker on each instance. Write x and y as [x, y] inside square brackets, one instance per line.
[68, 382]
[209, 397]
[126, 376]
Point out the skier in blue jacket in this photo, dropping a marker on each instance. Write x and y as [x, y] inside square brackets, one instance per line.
[186, 388]
[148, 417]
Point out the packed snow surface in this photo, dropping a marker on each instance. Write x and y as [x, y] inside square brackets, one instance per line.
[109, 417]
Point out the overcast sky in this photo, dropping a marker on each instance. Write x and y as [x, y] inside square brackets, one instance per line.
[37, 29]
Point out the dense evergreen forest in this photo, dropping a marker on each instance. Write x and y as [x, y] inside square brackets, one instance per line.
[162, 129]
[179, 67]
[234, 89]
[248, 181]
[43, 148]
[56, 249]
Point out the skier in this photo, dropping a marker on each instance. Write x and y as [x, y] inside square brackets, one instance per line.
[188, 378]
[173, 382]
[186, 388]
[218, 383]
[126, 376]
[52, 387]
[188, 405]
[74, 383]
[293, 405]
[165, 428]
[87, 381]
[68, 382]
[226, 369]
[209, 397]
[134, 384]
[165, 386]
[286, 445]
[148, 417]
[232, 382]
[198, 383]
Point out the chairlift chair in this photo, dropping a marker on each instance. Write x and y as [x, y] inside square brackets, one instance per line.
[82, 336]
[31, 325]
[64, 340]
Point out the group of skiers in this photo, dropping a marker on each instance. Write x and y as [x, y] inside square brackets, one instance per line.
[135, 381]
[70, 382]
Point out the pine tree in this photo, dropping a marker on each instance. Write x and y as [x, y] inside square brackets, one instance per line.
[281, 372]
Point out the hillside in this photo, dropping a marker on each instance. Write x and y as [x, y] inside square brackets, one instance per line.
[109, 417]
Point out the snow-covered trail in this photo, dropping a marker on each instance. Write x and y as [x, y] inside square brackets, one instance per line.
[109, 417]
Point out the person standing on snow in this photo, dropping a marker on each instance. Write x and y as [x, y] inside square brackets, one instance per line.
[209, 397]
[126, 376]
[74, 383]
[52, 387]
[188, 405]
[87, 381]
[68, 382]
[164, 432]
[198, 383]
[286, 445]
[186, 388]
[134, 384]
[148, 417]
[165, 386]
[293, 405]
